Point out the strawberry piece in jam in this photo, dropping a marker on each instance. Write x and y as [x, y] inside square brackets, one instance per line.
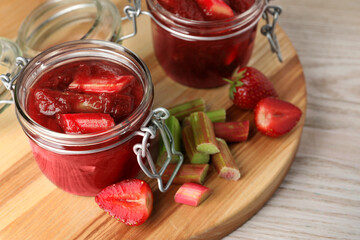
[215, 9]
[78, 123]
[51, 102]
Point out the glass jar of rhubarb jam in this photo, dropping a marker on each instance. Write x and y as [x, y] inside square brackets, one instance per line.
[86, 107]
[199, 52]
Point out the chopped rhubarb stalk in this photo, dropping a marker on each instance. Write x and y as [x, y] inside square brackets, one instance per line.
[217, 115]
[186, 122]
[215, 9]
[174, 126]
[224, 162]
[192, 194]
[232, 131]
[204, 135]
[195, 173]
[185, 109]
[51, 102]
[194, 155]
[77, 123]
[100, 84]
[117, 105]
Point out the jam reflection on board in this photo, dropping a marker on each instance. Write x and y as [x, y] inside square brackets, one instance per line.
[84, 97]
[200, 63]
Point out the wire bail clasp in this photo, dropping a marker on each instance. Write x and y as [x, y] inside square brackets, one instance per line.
[148, 131]
[269, 29]
[9, 80]
[131, 12]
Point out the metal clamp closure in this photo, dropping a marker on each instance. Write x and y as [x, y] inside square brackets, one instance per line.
[269, 29]
[9, 80]
[148, 131]
[131, 12]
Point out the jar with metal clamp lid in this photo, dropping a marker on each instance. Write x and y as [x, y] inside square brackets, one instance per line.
[85, 163]
[199, 53]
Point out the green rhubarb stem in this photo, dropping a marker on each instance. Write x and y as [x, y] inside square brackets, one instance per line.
[232, 131]
[224, 162]
[195, 173]
[217, 115]
[174, 126]
[204, 135]
[192, 153]
[185, 109]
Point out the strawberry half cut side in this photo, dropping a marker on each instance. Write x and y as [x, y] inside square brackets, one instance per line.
[129, 201]
[274, 117]
[215, 9]
[80, 123]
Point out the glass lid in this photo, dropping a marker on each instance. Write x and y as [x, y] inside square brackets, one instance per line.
[9, 51]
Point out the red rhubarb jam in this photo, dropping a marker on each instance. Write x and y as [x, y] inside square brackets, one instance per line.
[199, 42]
[84, 97]
[82, 115]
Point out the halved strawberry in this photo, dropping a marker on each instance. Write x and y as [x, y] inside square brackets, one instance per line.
[215, 9]
[129, 201]
[274, 117]
[78, 123]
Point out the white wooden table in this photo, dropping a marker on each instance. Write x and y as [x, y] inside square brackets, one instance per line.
[320, 197]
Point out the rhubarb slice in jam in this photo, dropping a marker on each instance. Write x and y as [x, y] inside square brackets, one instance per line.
[85, 122]
[84, 97]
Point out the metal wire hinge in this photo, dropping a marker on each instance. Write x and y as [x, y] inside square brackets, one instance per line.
[131, 12]
[269, 29]
[9, 80]
[148, 131]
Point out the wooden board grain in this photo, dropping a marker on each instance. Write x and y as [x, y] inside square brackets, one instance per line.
[32, 207]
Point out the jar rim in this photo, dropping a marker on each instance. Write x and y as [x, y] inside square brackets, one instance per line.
[88, 138]
[196, 23]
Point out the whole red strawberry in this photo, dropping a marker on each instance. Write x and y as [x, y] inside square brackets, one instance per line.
[275, 117]
[130, 201]
[249, 86]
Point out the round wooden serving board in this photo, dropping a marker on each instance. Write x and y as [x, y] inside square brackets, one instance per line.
[32, 207]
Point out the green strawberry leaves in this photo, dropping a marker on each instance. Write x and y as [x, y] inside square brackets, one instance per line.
[235, 81]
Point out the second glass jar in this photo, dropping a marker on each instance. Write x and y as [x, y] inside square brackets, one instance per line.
[200, 54]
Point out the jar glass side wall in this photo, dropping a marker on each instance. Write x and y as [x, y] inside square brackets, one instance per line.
[201, 64]
[201, 53]
[87, 174]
